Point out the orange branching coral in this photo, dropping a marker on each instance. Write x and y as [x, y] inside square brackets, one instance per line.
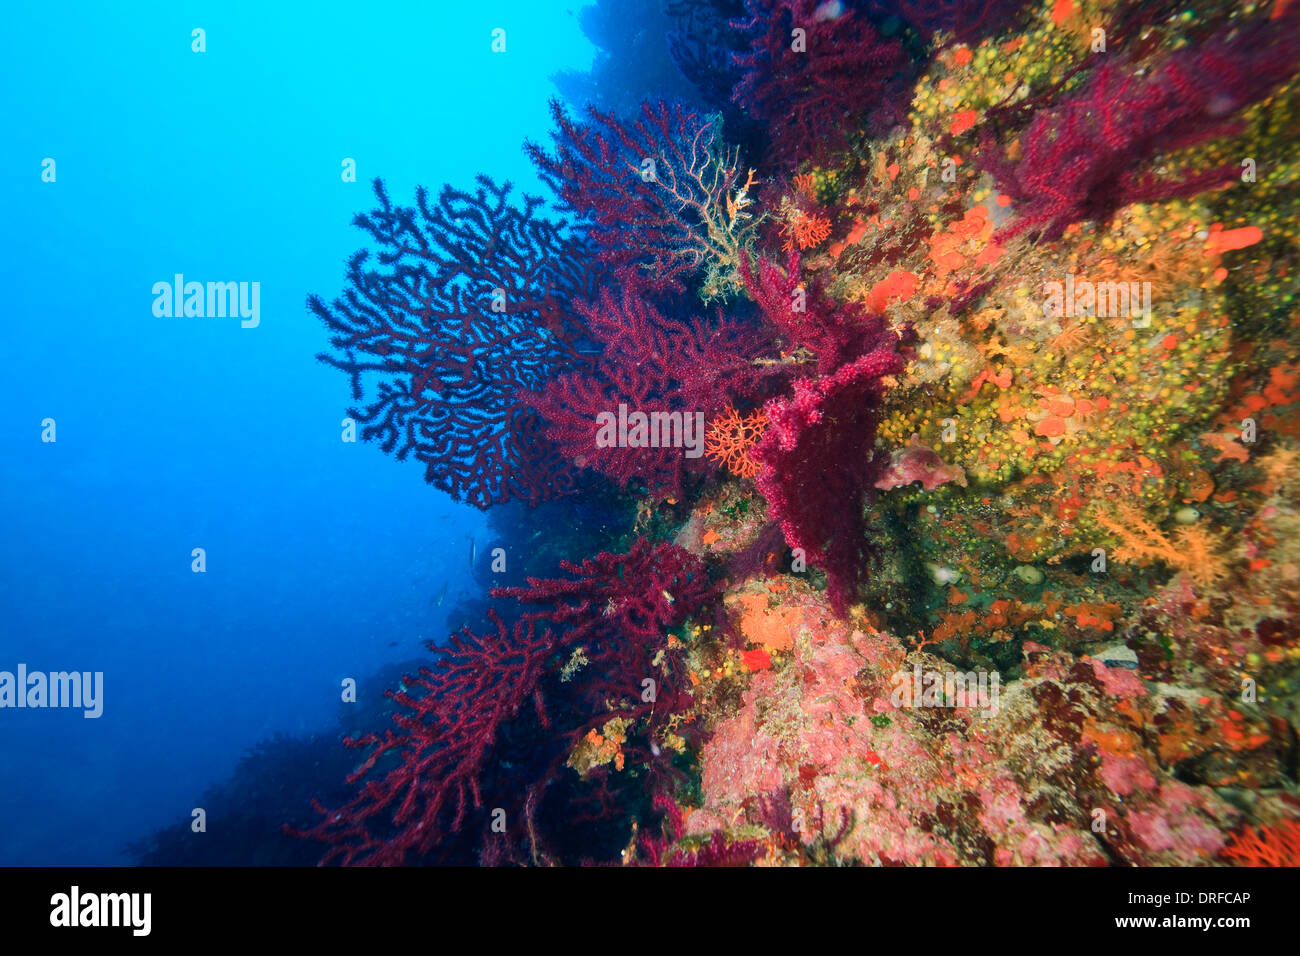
[1269, 846]
[731, 439]
[803, 184]
[1140, 541]
[806, 230]
[1193, 550]
[1198, 555]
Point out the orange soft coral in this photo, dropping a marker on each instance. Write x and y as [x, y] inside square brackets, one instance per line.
[1193, 550]
[1199, 556]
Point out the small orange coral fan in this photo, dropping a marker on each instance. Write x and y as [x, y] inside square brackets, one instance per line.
[732, 437]
[1269, 846]
[806, 230]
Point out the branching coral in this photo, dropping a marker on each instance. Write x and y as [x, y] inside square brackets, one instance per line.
[619, 608]
[663, 195]
[679, 371]
[1192, 550]
[812, 71]
[468, 301]
[1269, 846]
[818, 450]
[806, 229]
[458, 715]
[452, 717]
[731, 440]
[806, 317]
[1086, 156]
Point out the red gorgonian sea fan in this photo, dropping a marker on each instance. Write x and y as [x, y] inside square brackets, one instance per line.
[814, 71]
[1087, 156]
[619, 608]
[491, 722]
[467, 301]
[662, 196]
[817, 461]
[805, 317]
[682, 371]
[450, 723]
[818, 467]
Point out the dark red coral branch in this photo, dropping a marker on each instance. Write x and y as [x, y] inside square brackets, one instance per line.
[818, 463]
[422, 778]
[635, 594]
[467, 301]
[653, 363]
[451, 719]
[819, 467]
[1088, 155]
[642, 189]
[804, 316]
[619, 609]
[813, 87]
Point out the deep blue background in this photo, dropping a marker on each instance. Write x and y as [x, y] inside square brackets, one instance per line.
[183, 433]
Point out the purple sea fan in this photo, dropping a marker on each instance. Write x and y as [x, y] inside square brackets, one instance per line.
[639, 594]
[1086, 156]
[814, 70]
[443, 737]
[425, 777]
[662, 196]
[683, 370]
[467, 302]
[619, 608]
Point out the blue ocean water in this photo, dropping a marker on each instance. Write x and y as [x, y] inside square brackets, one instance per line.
[324, 560]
